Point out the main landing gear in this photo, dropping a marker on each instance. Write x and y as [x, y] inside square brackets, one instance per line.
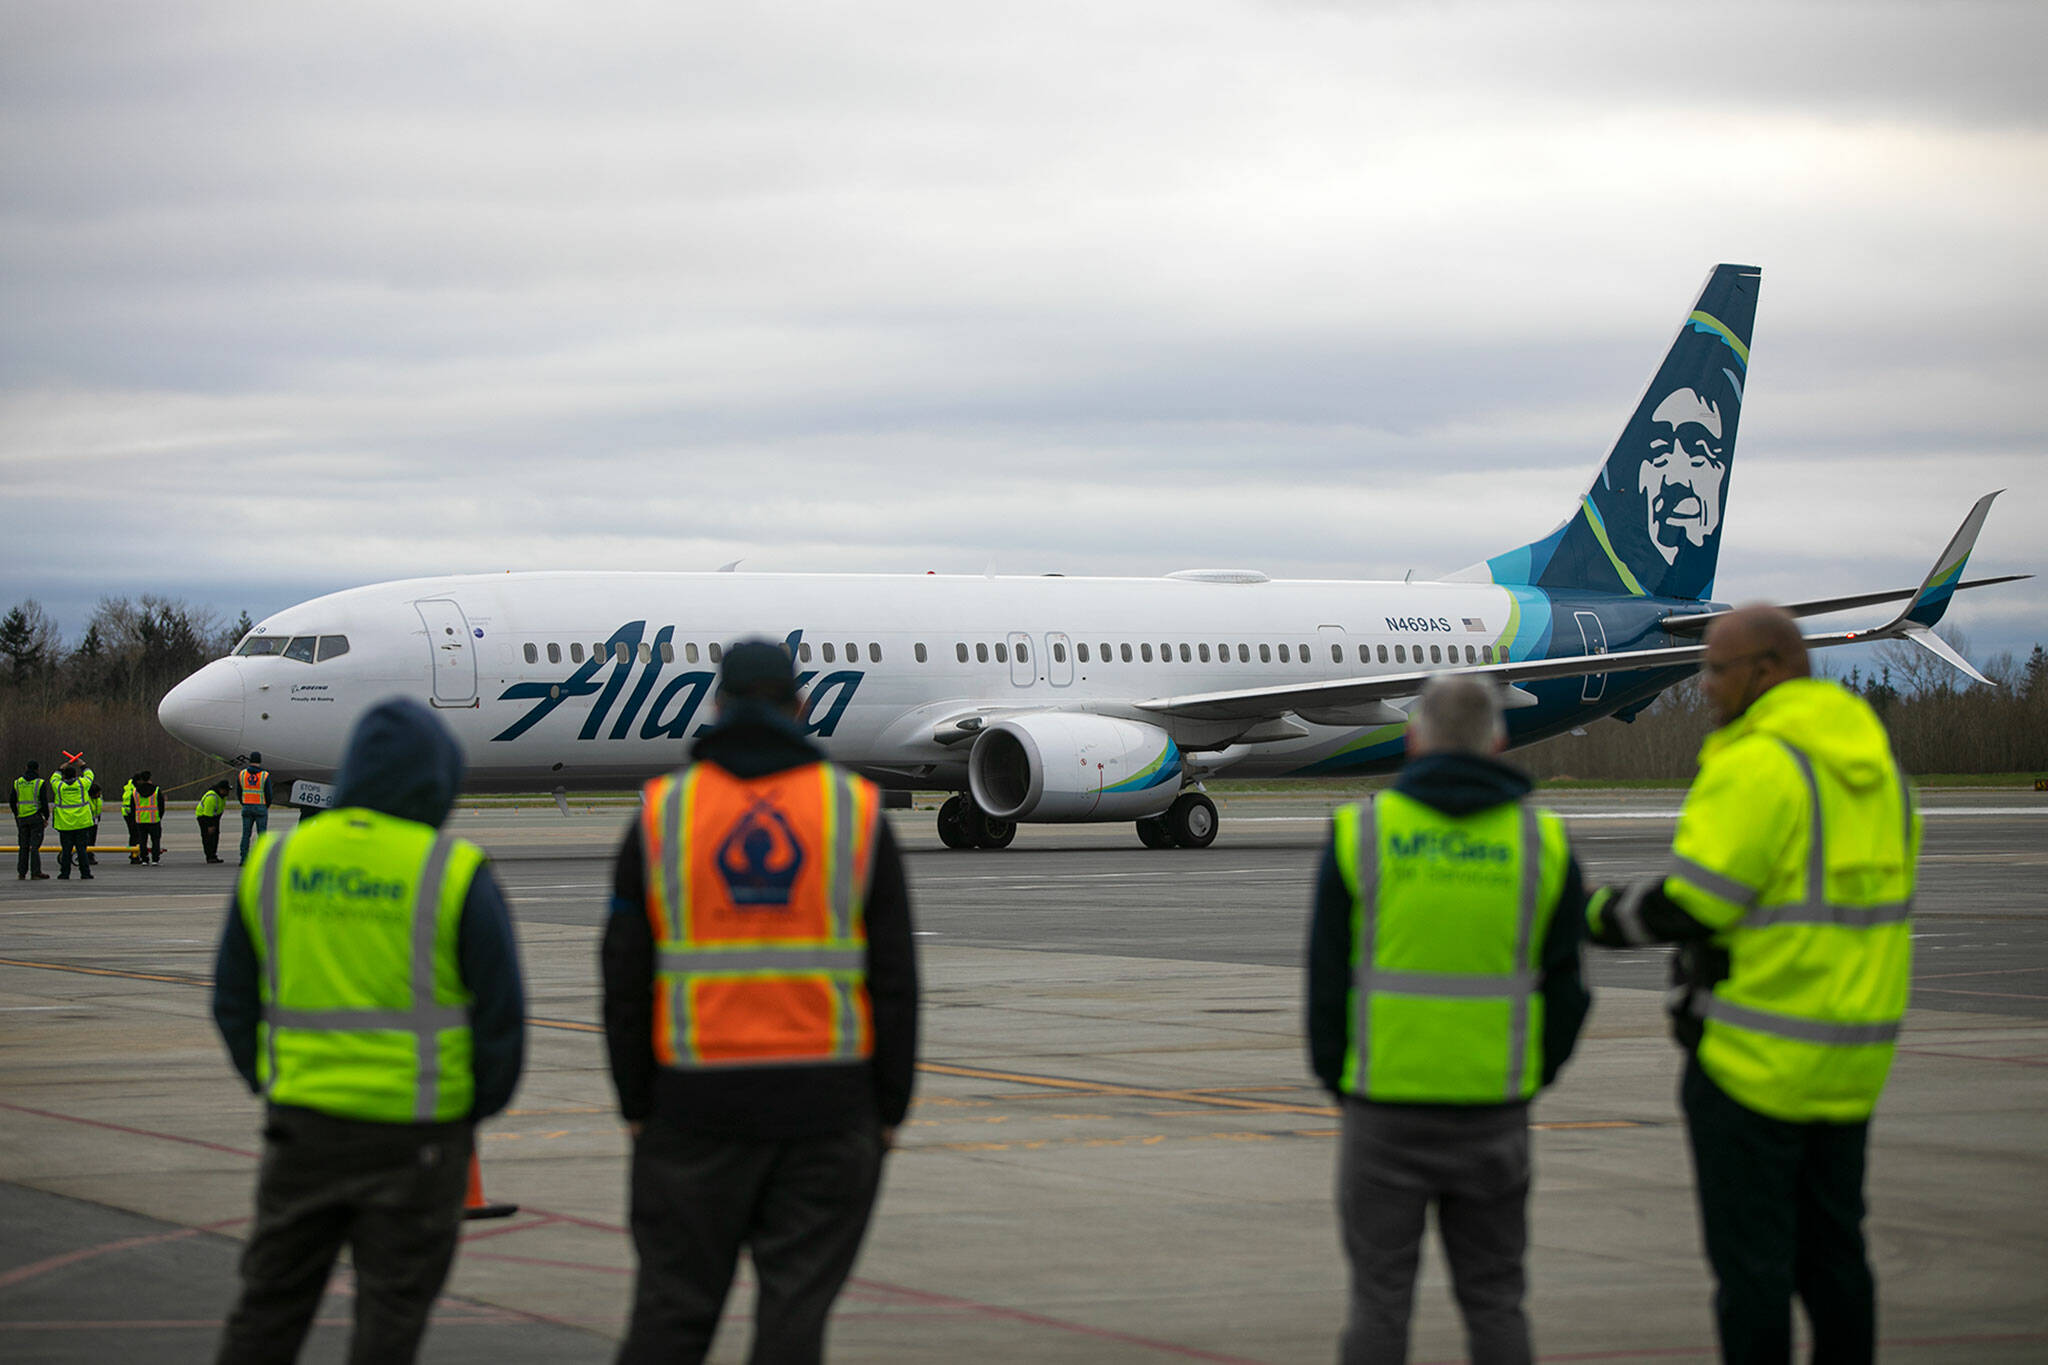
[1190, 822]
[962, 824]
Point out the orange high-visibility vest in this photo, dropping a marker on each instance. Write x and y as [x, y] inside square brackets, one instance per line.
[252, 786]
[757, 892]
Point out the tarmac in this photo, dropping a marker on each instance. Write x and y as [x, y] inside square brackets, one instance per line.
[1116, 1154]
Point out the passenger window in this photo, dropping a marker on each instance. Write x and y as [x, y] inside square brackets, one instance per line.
[1283, 654]
[1436, 654]
[301, 648]
[829, 656]
[1184, 655]
[1126, 650]
[668, 651]
[1023, 652]
[922, 656]
[1383, 653]
[853, 654]
[576, 652]
[1107, 655]
[803, 651]
[1244, 654]
[1486, 654]
[257, 645]
[532, 654]
[1223, 654]
[874, 653]
[1470, 657]
[1337, 653]
[554, 653]
[1166, 654]
[717, 651]
[1400, 654]
[1266, 653]
[1301, 653]
[1145, 652]
[334, 646]
[961, 651]
[1203, 652]
[623, 652]
[1059, 652]
[1002, 652]
[646, 652]
[690, 652]
[1081, 651]
[981, 651]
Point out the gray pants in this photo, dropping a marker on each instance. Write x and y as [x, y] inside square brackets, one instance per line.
[1473, 1164]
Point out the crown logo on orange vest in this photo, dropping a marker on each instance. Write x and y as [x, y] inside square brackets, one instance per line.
[760, 858]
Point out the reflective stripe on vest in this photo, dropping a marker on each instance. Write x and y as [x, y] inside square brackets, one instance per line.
[71, 805]
[28, 796]
[149, 809]
[759, 971]
[425, 1020]
[1371, 981]
[252, 786]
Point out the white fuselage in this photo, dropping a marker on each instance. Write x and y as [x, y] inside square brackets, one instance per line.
[507, 661]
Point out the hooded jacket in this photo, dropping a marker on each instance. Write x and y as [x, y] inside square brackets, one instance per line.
[753, 740]
[1456, 784]
[401, 761]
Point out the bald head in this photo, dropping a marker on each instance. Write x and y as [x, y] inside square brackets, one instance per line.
[1749, 651]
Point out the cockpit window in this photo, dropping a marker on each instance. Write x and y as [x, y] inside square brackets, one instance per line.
[262, 644]
[332, 647]
[301, 648]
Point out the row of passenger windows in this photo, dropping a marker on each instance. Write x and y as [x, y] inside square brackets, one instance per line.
[304, 648]
[982, 652]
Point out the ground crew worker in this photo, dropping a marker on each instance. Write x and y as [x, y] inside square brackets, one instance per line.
[146, 800]
[87, 858]
[213, 802]
[1790, 884]
[128, 820]
[367, 985]
[71, 802]
[760, 899]
[29, 800]
[254, 784]
[1444, 990]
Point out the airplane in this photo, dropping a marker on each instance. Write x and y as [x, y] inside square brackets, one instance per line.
[1052, 698]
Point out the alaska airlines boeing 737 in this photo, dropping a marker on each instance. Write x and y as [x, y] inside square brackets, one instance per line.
[1054, 698]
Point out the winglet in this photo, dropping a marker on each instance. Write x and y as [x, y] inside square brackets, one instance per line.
[1931, 601]
[1940, 648]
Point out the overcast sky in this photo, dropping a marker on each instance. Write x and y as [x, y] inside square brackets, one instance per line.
[297, 297]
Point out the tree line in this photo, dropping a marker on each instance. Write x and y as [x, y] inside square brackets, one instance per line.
[100, 695]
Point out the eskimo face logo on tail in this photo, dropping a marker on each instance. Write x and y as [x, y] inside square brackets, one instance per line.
[670, 711]
[1682, 478]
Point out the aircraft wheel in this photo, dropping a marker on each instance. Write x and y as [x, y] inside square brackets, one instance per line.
[996, 833]
[1191, 819]
[953, 832]
[1153, 833]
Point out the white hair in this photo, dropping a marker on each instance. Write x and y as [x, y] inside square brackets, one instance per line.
[1457, 714]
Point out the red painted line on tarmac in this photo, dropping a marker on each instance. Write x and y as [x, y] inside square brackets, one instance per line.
[508, 1230]
[545, 1263]
[124, 1128]
[21, 1274]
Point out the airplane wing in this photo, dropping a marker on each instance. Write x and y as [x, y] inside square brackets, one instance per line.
[1365, 700]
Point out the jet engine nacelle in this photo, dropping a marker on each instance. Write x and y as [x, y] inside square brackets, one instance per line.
[1057, 766]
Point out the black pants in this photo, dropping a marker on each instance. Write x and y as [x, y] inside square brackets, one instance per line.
[74, 843]
[1472, 1163]
[209, 837]
[799, 1205]
[1781, 1207]
[392, 1192]
[29, 835]
[134, 838]
[149, 840]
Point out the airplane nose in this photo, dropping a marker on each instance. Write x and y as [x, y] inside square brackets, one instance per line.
[205, 710]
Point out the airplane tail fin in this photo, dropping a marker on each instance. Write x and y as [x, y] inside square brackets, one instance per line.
[1650, 525]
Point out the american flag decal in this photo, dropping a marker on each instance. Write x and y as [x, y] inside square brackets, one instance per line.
[1475, 625]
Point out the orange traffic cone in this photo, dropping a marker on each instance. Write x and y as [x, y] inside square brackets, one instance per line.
[476, 1206]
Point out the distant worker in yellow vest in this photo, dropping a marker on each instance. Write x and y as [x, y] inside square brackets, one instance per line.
[213, 803]
[128, 820]
[252, 785]
[760, 1004]
[29, 800]
[146, 803]
[367, 986]
[1444, 990]
[71, 815]
[1790, 886]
